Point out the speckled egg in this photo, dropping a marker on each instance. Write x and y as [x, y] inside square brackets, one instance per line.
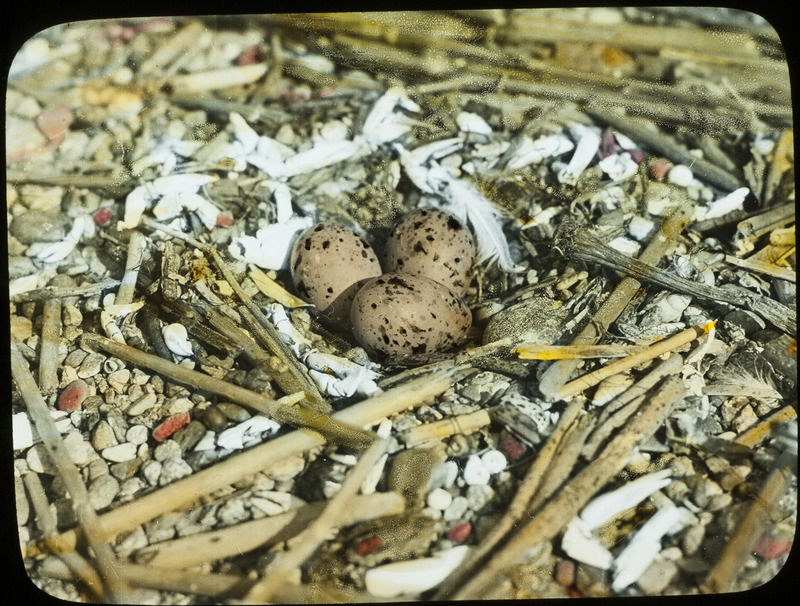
[329, 264]
[432, 243]
[399, 314]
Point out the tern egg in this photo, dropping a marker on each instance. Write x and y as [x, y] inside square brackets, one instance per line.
[432, 243]
[329, 264]
[399, 314]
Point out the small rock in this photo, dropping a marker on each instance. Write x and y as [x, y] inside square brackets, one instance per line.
[143, 404]
[460, 532]
[234, 412]
[96, 468]
[91, 365]
[166, 450]
[119, 453]
[745, 419]
[152, 471]
[692, 538]
[178, 406]
[102, 491]
[478, 496]
[103, 436]
[129, 489]
[80, 451]
[173, 469]
[494, 461]
[458, 507]
[232, 511]
[22, 431]
[39, 226]
[439, 498]
[474, 472]
[190, 435]
[118, 380]
[658, 576]
[170, 426]
[21, 328]
[71, 315]
[285, 468]
[137, 434]
[73, 395]
[444, 475]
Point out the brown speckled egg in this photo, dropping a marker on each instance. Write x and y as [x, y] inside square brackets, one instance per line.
[399, 314]
[329, 264]
[432, 243]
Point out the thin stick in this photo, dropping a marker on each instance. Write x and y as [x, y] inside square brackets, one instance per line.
[763, 267]
[756, 434]
[206, 481]
[543, 351]
[652, 352]
[286, 410]
[61, 292]
[48, 349]
[307, 542]
[430, 433]
[204, 547]
[88, 521]
[662, 243]
[137, 246]
[562, 508]
[725, 572]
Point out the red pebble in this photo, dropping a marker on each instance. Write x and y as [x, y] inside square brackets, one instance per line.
[512, 447]
[224, 221]
[252, 55]
[53, 123]
[659, 168]
[73, 395]
[102, 216]
[368, 545]
[460, 532]
[170, 426]
[565, 573]
[768, 547]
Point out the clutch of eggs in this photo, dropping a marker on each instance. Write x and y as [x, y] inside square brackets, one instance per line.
[415, 307]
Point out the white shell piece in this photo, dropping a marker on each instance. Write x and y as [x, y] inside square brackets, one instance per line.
[618, 166]
[413, 577]
[385, 123]
[271, 247]
[472, 123]
[680, 174]
[23, 284]
[234, 437]
[109, 324]
[533, 152]
[324, 154]
[585, 151]
[243, 133]
[173, 204]
[374, 475]
[283, 203]
[729, 203]
[177, 339]
[640, 228]
[58, 251]
[22, 432]
[646, 543]
[579, 544]
[611, 503]
[207, 442]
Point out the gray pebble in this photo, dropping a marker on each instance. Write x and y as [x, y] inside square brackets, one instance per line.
[692, 538]
[166, 450]
[188, 437]
[129, 489]
[103, 436]
[214, 419]
[478, 496]
[456, 510]
[91, 365]
[658, 576]
[143, 404]
[20, 266]
[119, 453]
[234, 412]
[80, 451]
[102, 491]
[152, 471]
[118, 424]
[39, 226]
[96, 468]
[232, 511]
[125, 469]
[173, 469]
[137, 434]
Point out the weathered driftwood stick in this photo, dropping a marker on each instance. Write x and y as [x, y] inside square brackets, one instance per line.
[287, 410]
[186, 491]
[61, 292]
[662, 243]
[733, 558]
[438, 430]
[542, 351]
[756, 434]
[565, 505]
[137, 246]
[81, 570]
[48, 348]
[88, 521]
[301, 547]
[763, 267]
[204, 547]
[579, 242]
[652, 352]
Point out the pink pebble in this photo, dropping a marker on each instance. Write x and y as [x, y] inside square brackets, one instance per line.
[102, 216]
[768, 547]
[659, 168]
[369, 545]
[460, 532]
[170, 426]
[511, 446]
[224, 221]
[73, 395]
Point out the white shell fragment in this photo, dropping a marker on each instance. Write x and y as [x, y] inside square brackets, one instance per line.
[22, 432]
[413, 577]
[611, 503]
[618, 166]
[271, 247]
[172, 205]
[235, 438]
[472, 123]
[723, 206]
[388, 120]
[58, 251]
[646, 544]
[588, 144]
[177, 339]
[143, 196]
[534, 152]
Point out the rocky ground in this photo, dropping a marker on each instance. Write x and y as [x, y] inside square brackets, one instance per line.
[188, 431]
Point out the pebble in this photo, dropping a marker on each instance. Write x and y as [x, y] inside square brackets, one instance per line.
[80, 451]
[439, 498]
[456, 510]
[173, 469]
[214, 419]
[96, 468]
[180, 405]
[190, 435]
[137, 434]
[692, 538]
[119, 379]
[39, 226]
[494, 461]
[102, 491]
[460, 532]
[38, 461]
[166, 450]
[103, 436]
[658, 576]
[22, 506]
[126, 469]
[73, 395]
[264, 506]
[71, 315]
[232, 511]
[444, 475]
[91, 365]
[475, 473]
[234, 412]
[119, 453]
[129, 489]
[478, 496]
[152, 471]
[143, 404]
[22, 432]
[170, 426]
[680, 174]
